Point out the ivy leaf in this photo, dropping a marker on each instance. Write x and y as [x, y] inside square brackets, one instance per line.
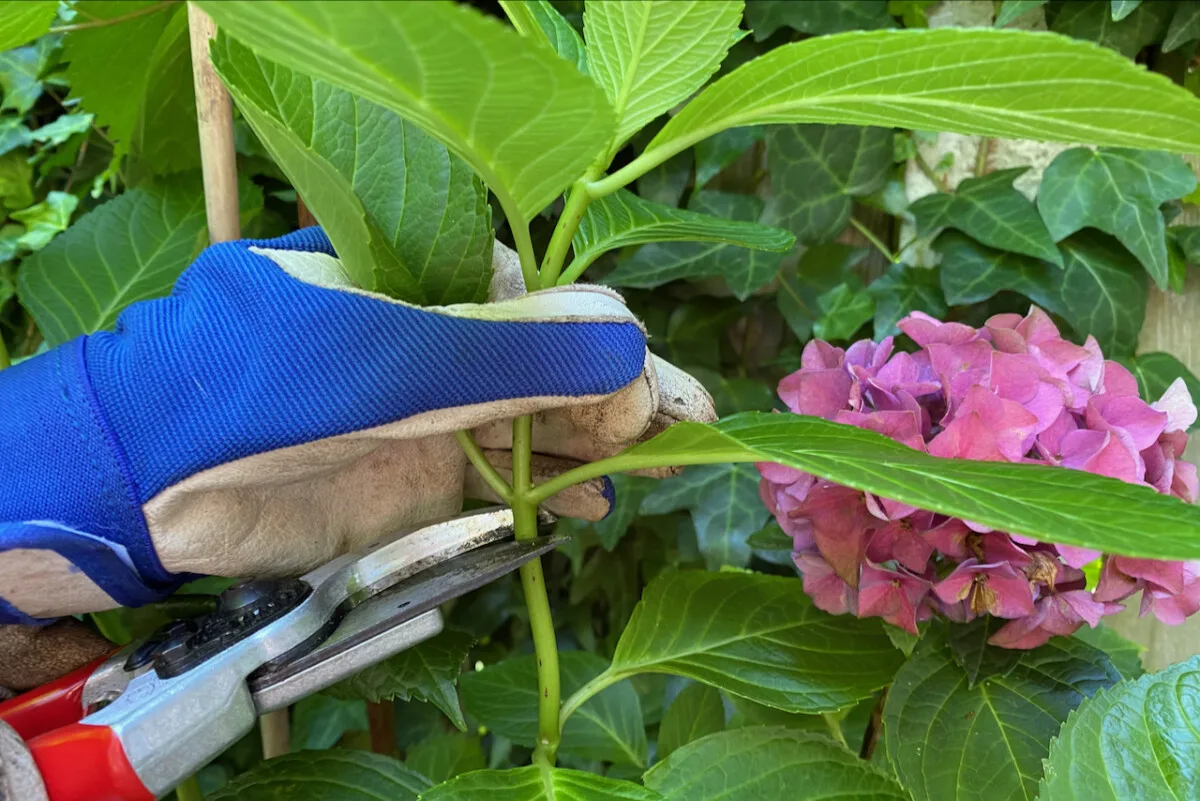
[718, 152]
[992, 212]
[444, 755]
[61, 129]
[339, 775]
[1117, 191]
[1123, 8]
[951, 742]
[1095, 20]
[828, 16]
[710, 626]
[844, 309]
[648, 55]
[20, 76]
[538, 783]
[1185, 26]
[1188, 239]
[1136, 740]
[901, 290]
[734, 394]
[426, 672]
[1103, 291]
[723, 502]
[1011, 9]
[696, 712]
[16, 181]
[821, 268]
[623, 219]
[504, 697]
[771, 538]
[530, 130]
[23, 21]
[1126, 655]
[769, 762]
[973, 81]
[1157, 371]
[972, 273]
[1057, 505]
[46, 220]
[743, 270]
[539, 21]
[128, 249]
[406, 216]
[817, 171]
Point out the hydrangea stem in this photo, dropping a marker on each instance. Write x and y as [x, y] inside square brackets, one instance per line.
[564, 232]
[4, 360]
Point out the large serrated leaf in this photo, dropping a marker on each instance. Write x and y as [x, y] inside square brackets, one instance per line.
[407, 217]
[951, 742]
[1063, 506]
[623, 219]
[754, 636]
[773, 762]
[443, 755]
[129, 249]
[504, 697]
[426, 672]
[341, 775]
[1118, 191]
[540, 21]
[696, 712]
[1137, 740]
[648, 55]
[24, 21]
[971, 81]
[529, 129]
[1103, 291]
[538, 783]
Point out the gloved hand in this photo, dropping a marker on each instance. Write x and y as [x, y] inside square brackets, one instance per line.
[265, 418]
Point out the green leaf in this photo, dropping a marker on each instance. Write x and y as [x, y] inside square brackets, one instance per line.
[1095, 21]
[743, 270]
[1123, 8]
[538, 783]
[406, 216]
[696, 712]
[504, 697]
[426, 672]
[342, 775]
[969, 648]
[771, 537]
[901, 290]
[529, 130]
[845, 309]
[1185, 26]
[444, 755]
[20, 76]
[128, 249]
[734, 394]
[817, 171]
[1062, 506]
[992, 212]
[754, 636]
[768, 763]
[1011, 9]
[16, 181]
[61, 129]
[1135, 741]
[648, 55]
[973, 81]
[1118, 191]
[623, 219]
[950, 742]
[903, 640]
[1188, 239]
[46, 220]
[1157, 371]
[538, 20]
[972, 273]
[23, 21]
[1126, 655]
[724, 506]
[320, 721]
[718, 152]
[821, 268]
[134, 75]
[1103, 292]
[826, 16]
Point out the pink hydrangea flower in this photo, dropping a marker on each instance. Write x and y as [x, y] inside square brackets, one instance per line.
[1015, 391]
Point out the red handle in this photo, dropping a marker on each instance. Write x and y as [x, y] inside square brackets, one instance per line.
[50, 706]
[80, 762]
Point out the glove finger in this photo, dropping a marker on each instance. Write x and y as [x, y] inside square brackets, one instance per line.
[19, 776]
[33, 655]
[591, 500]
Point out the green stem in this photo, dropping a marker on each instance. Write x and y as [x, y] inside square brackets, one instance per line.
[485, 468]
[930, 173]
[574, 270]
[981, 158]
[564, 231]
[520, 234]
[533, 582]
[189, 790]
[581, 696]
[4, 360]
[874, 240]
[624, 463]
[835, 729]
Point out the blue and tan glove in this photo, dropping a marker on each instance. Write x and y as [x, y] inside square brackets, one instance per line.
[265, 418]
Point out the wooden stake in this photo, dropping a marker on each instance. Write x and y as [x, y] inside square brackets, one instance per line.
[214, 114]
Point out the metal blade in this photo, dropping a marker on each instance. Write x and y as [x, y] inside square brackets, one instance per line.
[391, 621]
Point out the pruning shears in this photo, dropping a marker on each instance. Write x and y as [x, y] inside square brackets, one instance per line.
[133, 725]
